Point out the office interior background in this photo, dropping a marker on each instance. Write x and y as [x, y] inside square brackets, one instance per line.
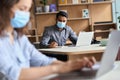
[99, 16]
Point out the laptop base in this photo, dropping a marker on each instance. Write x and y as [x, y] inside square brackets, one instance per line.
[77, 75]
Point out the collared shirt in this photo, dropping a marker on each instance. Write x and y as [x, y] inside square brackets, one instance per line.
[53, 34]
[19, 54]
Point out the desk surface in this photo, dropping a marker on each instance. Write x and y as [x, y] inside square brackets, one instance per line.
[76, 50]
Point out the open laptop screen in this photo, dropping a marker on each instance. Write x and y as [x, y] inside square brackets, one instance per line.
[84, 38]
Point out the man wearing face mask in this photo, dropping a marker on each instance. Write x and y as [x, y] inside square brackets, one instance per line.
[58, 34]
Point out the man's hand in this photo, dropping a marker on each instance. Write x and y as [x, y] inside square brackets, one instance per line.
[53, 45]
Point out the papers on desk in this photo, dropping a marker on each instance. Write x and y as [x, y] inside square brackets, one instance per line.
[62, 46]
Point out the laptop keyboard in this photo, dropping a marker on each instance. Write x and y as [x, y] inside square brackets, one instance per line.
[77, 75]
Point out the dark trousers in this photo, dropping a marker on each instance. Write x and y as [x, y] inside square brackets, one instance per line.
[61, 57]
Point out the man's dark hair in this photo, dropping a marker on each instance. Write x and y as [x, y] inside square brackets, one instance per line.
[62, 13]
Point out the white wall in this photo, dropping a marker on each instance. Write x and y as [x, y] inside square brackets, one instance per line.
[116, 12]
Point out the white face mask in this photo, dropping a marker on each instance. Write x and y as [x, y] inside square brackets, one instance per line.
[20, 19]
[61, 24]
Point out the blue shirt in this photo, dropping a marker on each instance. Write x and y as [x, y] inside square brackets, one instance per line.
[53, 34]
[20, 54]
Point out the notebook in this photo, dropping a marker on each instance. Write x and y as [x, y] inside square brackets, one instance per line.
[84, 38]
[106, 64]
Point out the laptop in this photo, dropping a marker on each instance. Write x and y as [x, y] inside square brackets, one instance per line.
[106, 64]
[84, 38]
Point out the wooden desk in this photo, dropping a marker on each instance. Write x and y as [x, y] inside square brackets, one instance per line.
[77, 52]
